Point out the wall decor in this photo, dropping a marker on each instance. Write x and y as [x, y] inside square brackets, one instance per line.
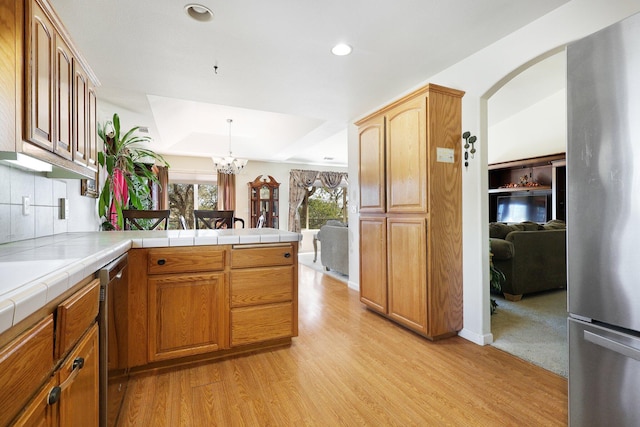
[88, 188]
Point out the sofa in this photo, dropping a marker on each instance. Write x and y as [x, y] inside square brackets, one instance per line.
[532, 256]
[334, 246]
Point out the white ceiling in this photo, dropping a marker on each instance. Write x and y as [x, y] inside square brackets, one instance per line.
[290, 99]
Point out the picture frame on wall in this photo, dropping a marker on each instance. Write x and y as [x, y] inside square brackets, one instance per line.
[89, 188]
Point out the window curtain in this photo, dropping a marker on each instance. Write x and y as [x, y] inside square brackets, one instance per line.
[332, 180]
[163, 187]
[226, 192]
[299, 181]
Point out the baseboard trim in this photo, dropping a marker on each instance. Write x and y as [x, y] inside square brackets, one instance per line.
[484, 339]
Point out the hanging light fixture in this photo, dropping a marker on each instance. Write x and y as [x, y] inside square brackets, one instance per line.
[229, 165]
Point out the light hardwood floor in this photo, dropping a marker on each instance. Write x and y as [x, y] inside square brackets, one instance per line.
[350, 367]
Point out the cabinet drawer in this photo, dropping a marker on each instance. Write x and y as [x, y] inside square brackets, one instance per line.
[262, 256]
[185, 260]
[25, 364]
[261, 286]
[75, 315]
[261, 323]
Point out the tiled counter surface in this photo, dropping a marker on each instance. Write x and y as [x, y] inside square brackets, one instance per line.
[36, 271]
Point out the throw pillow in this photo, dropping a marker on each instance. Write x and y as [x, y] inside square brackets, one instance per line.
[555, 224]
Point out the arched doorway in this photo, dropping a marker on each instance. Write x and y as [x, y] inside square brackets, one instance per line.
[526, 118]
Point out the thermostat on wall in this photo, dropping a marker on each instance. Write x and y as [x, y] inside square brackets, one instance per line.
[444, 155]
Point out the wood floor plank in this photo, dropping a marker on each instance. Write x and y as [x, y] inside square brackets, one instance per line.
[349, 366]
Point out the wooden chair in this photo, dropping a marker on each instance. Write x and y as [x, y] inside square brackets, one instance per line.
[158, 219]
[215, 220]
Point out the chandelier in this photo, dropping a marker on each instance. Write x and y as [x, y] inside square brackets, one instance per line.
[229, 165]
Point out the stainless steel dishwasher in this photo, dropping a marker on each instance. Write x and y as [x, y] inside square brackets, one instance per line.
[112, 276]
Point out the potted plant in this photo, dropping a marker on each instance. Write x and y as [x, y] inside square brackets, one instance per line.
[127, 175]
[496, 279]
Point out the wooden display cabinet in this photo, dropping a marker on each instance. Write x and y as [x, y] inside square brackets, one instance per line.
[264, 195]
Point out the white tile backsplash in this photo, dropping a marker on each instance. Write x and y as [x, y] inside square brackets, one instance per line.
[5, 223]
[22, 226]
[5, 187]
[44, 196]
[43, 192]
[44, 220]
[22, 184]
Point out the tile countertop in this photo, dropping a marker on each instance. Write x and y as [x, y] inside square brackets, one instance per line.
[34, 272]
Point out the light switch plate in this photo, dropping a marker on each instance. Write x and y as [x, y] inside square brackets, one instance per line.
[26, 206]
[64, 208]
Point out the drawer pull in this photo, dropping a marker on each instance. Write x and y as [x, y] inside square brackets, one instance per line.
[287, 255]
[54, 394]
[162, 261]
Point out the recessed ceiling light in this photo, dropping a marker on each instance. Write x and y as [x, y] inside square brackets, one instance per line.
[199, 12]
[341, 49]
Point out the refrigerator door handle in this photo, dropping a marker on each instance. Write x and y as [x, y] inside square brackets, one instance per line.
[612, 345]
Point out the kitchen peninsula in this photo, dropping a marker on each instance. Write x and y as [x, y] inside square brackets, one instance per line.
[190, 295]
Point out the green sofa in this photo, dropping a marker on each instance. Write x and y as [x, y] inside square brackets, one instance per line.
[532, 256]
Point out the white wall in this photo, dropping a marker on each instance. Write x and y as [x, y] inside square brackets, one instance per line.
[481, 75]
[536, 131]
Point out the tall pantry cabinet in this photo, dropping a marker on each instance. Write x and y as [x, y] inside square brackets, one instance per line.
[411, 211]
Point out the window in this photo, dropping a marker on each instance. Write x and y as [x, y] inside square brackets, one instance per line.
[322, 204]
[182, 201]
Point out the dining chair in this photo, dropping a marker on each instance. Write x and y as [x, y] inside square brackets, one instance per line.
[183, 223]
[135, 219]
[215, 220]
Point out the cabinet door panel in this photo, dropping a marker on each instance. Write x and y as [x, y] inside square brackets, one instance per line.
[93, 142]
[79, 403]
[38, 413]
[25, 364]
[264, 256]
[186, 315]
[41, 78]
[261, 323]
[257, 286]
[407, 261]
[80, 109]
[64, 99]
[372, 166]
[373, 263]
[75, 315]
[407, 157]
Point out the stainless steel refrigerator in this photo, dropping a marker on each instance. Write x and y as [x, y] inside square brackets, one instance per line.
[603, 226]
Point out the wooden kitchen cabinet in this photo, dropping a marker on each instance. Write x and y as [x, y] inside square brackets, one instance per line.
[81, 114]
[263, 293]
[39, 413]
[373, 262]
[63, 120]
[200, 302]
[38, 98]
[411, 211]
[25, 364]
[407, 272]
[371, 144]
[49, 382]
[41, 79]
[78, 378]
[186, 315]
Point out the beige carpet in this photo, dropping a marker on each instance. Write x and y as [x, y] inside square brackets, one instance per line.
[534, 329]
[306, 258]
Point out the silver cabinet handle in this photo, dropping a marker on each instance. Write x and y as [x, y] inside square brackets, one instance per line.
[612, 345]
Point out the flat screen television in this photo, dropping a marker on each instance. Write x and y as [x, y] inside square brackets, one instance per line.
[522, 208]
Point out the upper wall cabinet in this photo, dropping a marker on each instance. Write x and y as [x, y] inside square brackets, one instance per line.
[47, 89]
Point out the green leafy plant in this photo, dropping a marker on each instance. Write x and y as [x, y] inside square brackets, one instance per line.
[496, 279]
[128, 176]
